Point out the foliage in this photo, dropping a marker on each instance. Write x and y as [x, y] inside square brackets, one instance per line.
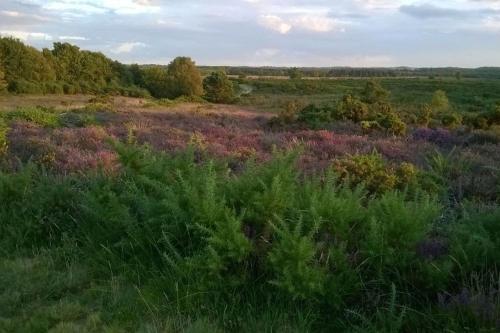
[180, 236]
[184, 78]
[3, 83]
[294, 73]
[218, 88]
[374, 93]
[353, 108]
[375, 173]
[440, 101]
[314, 116]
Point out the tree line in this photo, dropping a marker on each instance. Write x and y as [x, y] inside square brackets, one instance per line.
[67, 69]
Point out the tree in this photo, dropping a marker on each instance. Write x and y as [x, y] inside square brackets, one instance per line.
[374, 93]
[440, 101]
[295, 73]
[218, 88]
[184, 78]
[3, 83]
[156, 80]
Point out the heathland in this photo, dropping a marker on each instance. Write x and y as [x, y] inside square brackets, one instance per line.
[185, 199]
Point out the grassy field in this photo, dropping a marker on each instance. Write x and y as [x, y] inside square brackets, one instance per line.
[406, 94]
[141, 215]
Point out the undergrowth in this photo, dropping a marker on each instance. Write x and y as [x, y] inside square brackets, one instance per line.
[175, 243]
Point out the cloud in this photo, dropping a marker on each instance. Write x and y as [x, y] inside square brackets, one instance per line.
[72, 38]
[428, 11]
[275, 23]
[26, 35]
[315, 23]
[128, 47]
[307, 22]
[79, 8]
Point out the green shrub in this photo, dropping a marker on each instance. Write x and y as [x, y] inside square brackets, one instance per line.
[26, 87]
[39, 115]
[374, 93]
[476, 240]
[3, 137]
[375, 173]
[314, 116]
[218, 88]
[451, 119]
[352, 108]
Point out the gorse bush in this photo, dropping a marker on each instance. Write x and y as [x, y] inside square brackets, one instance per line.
[375, 173]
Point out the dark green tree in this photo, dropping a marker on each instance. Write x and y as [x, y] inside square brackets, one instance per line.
[184, 78]
[218, 88]
[156, 80]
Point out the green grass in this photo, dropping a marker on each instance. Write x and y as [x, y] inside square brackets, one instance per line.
[406, 94]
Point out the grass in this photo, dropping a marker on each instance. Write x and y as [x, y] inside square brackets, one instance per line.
[406, 94]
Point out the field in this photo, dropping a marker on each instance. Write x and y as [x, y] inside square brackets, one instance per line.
[125, 214]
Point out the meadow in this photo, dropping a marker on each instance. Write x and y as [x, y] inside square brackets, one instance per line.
[292, 209]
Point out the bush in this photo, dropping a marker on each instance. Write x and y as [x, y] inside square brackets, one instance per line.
[352, 108]
[374, 93]
[314, 116]
[218, 88]
[25, 87]
[375, 173]
[451, 119]
[440, 101]
[39, 115]
[289, 115]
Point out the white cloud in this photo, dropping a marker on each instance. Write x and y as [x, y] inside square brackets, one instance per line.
[128, 47]
[79, 8]
[315, 23]
[26, 35]
[275, 23]
[308, 22]
[72, 38]
[491, 24]
[10, 13]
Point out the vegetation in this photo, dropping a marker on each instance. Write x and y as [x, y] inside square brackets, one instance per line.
[366, 206]
[218, 88]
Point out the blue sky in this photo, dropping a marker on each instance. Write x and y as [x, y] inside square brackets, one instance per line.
[463, 33]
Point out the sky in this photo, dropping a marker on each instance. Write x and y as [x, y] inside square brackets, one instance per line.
[313, 33]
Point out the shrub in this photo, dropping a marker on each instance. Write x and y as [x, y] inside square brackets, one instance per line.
[3, 137]
[218, 88]
[392, 123]
[440, 101]
[25, 87]
[39, 115]
[476, 240]
[289, 115]
[375, 173]
[451, 119]
[314, 116]
[353, 109]
[3, 83]
[374, 93]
